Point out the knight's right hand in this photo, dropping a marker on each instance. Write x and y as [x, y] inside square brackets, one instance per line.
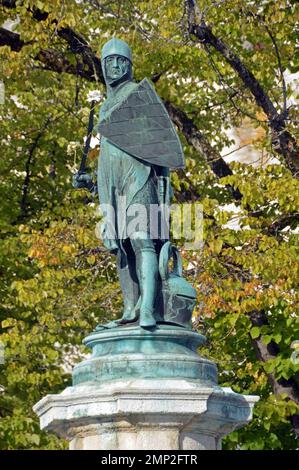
[82, 180]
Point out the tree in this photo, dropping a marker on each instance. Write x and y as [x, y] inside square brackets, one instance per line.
[215, 64]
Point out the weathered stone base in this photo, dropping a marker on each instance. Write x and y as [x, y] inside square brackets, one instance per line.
[146, 414]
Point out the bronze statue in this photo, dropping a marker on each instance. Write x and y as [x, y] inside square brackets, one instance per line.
[138, 146]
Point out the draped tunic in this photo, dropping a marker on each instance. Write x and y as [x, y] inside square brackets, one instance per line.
[123, 180]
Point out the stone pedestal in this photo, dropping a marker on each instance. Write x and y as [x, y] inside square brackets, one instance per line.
[145, 390]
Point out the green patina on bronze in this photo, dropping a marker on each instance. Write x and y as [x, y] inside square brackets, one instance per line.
[167, 352]
[139, 145]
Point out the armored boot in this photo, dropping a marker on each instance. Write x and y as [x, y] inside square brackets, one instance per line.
[147, 272]
[130, 291]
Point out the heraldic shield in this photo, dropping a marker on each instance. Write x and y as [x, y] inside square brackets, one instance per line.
[140, 126]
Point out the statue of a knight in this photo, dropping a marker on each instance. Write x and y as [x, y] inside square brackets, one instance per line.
[138, 146]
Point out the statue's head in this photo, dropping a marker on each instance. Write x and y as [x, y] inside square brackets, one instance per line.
[116, 59]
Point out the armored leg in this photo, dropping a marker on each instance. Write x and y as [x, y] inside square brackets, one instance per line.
[129, 287]
[147, 273]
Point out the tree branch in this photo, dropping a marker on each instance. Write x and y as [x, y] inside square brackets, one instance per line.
[77, 43]
[13, 40]
[56, 61]
[195, 138]
[283, 142]
[286, 220]
[53, 60]
[260, 19]
[284, 88]
[266, 352]
[79, 46]
[28, 166]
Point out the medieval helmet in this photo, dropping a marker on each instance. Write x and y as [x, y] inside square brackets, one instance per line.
[116, 47]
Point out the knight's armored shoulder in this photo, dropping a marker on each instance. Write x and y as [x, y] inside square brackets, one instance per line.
[140, 125]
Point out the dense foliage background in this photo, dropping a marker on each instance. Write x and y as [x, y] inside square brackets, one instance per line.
[218, 66]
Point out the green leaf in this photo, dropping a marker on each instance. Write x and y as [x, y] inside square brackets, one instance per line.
[255, 332]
